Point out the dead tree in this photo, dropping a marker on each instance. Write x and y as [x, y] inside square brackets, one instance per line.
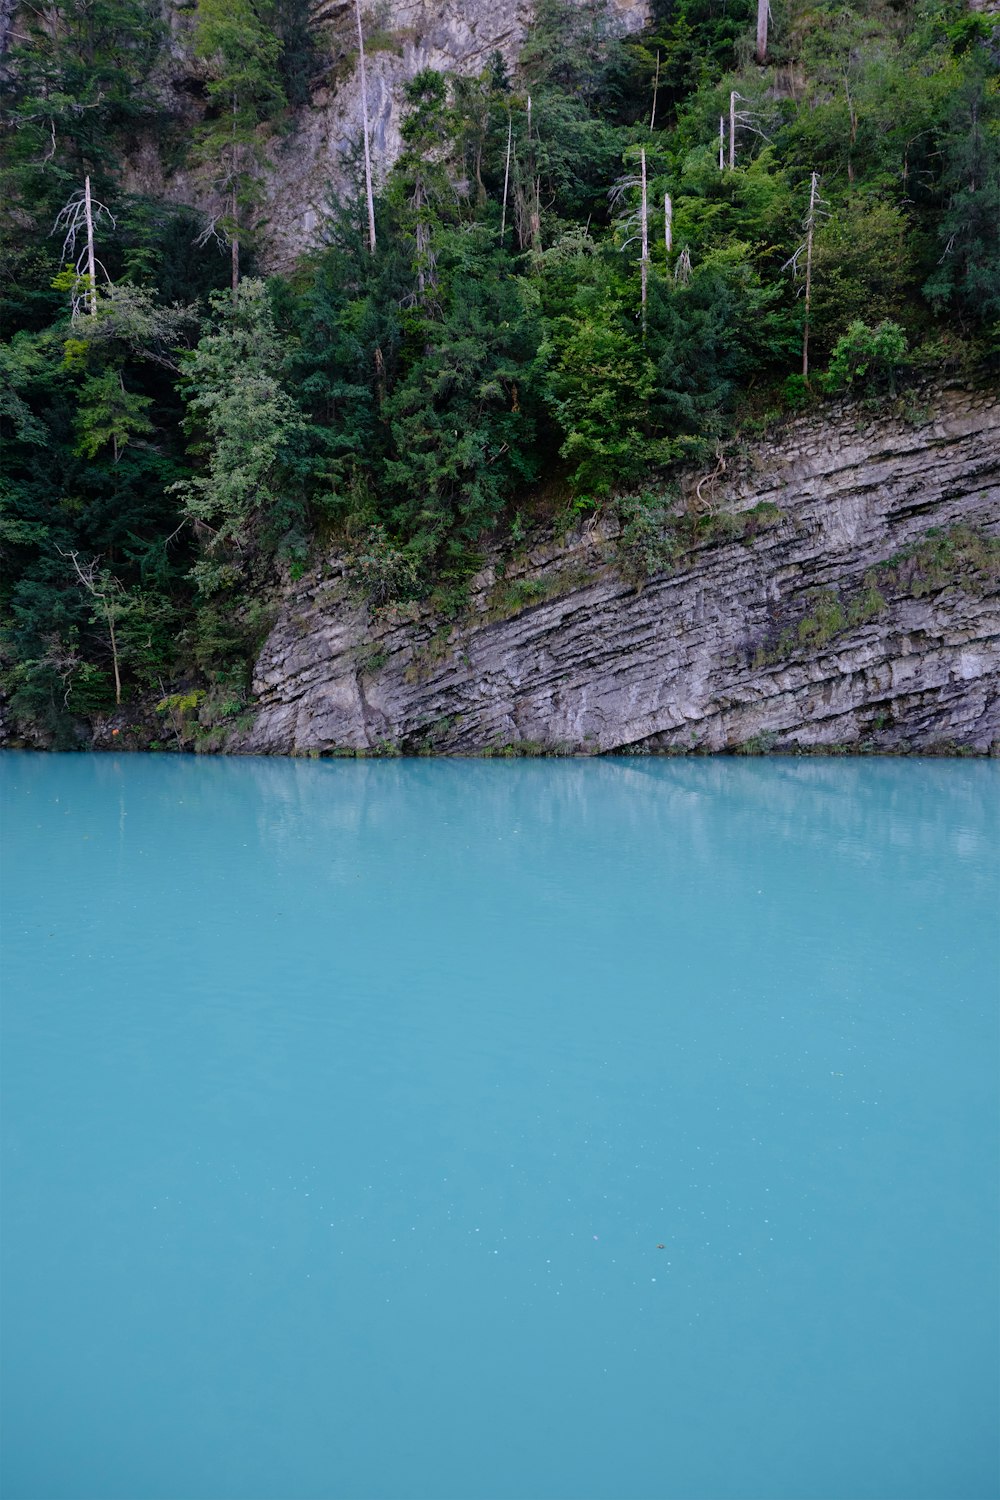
[367, 134]
[234, 210]
[637, 224]
[644, 271]
[656, 85]
[91, 267]
[817, 211]
[77, 218]
[535, 201]
[741, 119]
[763, 16]
[810, 231]
[107, 594]
[668, 223]
[506, 176]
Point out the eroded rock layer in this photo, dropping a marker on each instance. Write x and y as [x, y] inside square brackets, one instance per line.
[780, 638]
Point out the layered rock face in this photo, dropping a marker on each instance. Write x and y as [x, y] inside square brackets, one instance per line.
[720, 652]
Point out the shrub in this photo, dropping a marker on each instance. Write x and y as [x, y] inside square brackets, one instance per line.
[381, 572]
[870, 357]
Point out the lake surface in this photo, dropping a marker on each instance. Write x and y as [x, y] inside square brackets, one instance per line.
[601, 1130]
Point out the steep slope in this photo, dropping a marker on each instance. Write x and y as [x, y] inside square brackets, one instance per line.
[781, 638]
[310, 161]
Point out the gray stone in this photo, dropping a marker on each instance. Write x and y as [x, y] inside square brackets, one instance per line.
[309, 163]
[598, 665]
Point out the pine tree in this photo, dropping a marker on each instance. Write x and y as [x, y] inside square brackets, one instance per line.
[235, 42]
[244, 424]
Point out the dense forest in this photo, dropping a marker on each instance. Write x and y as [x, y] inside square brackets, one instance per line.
[577, 276]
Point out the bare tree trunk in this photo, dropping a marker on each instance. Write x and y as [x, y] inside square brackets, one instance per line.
[536, 214]
[668, 223]
[114, 661]
[364, 119]
[234, 235]
[722, 142]
[656, 85]
[420, 240]
[644, 268]
[535, 207]
[763, 13]
[506, 177]
[234, 253]
[853, 116]
[379, 377]
[91, 267]
[89, 577]
[732, 129]
[810, 226]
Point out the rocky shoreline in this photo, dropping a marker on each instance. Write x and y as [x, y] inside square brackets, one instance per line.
[810, 627]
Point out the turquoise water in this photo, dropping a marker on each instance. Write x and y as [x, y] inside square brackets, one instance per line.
[604, 1130]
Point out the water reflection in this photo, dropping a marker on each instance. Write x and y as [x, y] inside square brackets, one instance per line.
[347, 1103]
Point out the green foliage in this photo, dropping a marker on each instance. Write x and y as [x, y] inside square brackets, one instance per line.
[381, 573]
[244, 423]
[967, 274]
[109, 414]
[300, 59]
[960, 557]
[461, 434]
[78, 78]
[869, 357]
[236, 43]
[600, 383]
[863, 265]
[828, 618]
[648, 542]
[696, 41]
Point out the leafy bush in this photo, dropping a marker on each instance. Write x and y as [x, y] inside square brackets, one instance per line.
[868, 357]
[381, 573]
[647, 542]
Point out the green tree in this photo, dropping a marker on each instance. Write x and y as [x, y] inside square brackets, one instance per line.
[76, 81]
[708, 336]
[599, 380]
[110, 414]
[244, 424]
[422, 188]
[967, 274]
[862, 265]
[460, 415]
[240, 51]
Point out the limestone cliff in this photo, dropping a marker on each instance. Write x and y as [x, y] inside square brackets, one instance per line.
[771, 629]
[309, 161]
[452, 36]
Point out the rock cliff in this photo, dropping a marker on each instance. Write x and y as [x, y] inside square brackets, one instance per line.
[310, 161]
[451, 36]
[798, 615]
